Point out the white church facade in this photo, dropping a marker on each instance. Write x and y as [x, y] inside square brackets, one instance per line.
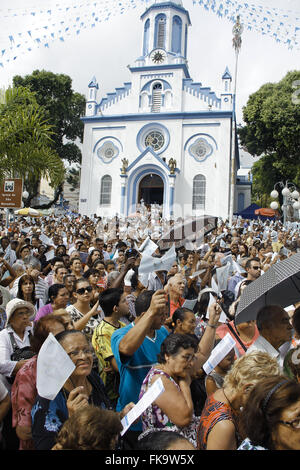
[162, 137]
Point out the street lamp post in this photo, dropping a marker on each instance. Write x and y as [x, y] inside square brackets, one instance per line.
[237, 43]
[290, 198]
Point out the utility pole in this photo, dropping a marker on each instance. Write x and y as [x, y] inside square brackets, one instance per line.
[237, 43]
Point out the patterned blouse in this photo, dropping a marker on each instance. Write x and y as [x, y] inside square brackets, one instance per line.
[23, 395]
[48, 416]
[154, 419]
[91, 324]
[213, 412]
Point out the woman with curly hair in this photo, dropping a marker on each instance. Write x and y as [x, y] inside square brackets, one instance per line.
[218, 426]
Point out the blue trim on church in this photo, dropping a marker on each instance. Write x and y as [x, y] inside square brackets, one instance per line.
[147, 86]
[153, 126]
[146, 37]
[176, 34]
[196, 89]
[200, 134]
[135, 178]
[148, 149]
[161, 18]
[107, 137]
[161, 116]
[162, 6]
[161, 67]
[120, 93]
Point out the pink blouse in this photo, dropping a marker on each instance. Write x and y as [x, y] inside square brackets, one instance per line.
[23, 395]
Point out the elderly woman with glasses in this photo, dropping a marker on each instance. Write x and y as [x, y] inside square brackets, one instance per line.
[173, 410]
[86, 318]
[16, 334]
[84, 387]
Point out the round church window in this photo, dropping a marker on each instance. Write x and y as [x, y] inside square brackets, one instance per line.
[200, 150]
[108, 151]
[155, 140]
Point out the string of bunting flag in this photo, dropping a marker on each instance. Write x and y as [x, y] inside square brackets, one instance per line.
[40, 27]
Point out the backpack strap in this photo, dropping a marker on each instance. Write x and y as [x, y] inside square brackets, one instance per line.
[237, 337]
[169, 306]
[13, 341]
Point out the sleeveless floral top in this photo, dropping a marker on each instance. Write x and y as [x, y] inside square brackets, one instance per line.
[154, 419]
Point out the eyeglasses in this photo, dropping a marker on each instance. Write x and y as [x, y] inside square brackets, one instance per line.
[256, 268]
[188, 357]
[294, 424]
[23, 313]
[86, 352]
[82, 290]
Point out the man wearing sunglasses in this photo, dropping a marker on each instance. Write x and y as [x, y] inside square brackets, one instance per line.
[253, 270]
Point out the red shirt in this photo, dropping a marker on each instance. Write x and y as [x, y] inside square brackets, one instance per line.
[174, 306]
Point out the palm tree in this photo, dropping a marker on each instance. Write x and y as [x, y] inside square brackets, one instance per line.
[25, 141]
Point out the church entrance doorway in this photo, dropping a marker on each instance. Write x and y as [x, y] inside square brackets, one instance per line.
[151, 189]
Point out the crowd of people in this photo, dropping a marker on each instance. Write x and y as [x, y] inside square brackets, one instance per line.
[79, 278]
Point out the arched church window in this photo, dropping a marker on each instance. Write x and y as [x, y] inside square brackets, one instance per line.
[176, 34]
[146, 37]
[241, 201]
[105, 193]
[199, 192]
[185, 40]
[156, 98]
[160, 31]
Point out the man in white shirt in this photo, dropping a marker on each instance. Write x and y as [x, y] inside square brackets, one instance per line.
[275, 330]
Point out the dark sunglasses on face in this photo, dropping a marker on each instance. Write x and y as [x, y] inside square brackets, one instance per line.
[82, 290]
[256, 268]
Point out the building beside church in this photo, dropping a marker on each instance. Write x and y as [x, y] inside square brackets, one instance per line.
[162, 137]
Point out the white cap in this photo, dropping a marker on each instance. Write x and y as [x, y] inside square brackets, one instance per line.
[14, 304]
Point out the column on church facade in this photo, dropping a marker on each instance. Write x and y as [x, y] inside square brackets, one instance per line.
[123, 194]
[172, 179]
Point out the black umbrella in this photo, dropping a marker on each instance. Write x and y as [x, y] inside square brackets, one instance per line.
[280, 285]
[191, 229]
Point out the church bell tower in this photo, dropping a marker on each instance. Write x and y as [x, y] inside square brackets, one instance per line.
[165, 34]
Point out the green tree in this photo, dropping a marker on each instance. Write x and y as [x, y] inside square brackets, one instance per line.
[272, 129]
[73, 178]
[63, 106]
[25, 141]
